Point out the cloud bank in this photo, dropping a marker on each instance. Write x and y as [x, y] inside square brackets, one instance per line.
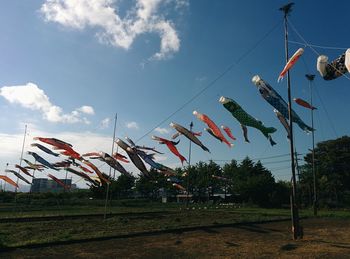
[144, 17]
[30, 96]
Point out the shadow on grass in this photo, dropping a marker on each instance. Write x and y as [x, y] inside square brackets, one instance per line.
[231, 244]
[289, 247]
[254, 228]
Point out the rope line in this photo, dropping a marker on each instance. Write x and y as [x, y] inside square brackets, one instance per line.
[222, 74]
[315, 51]
[316, 46]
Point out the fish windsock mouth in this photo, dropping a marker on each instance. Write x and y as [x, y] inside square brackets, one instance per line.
[347, 59]
[300, 51]
[118, 141]
[154, 138]
[223, 100]
[322, 59]
[172, 124]
[321, 64]
[195, 112]
[256, 79]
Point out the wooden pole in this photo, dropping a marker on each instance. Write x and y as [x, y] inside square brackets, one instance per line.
[294, 209]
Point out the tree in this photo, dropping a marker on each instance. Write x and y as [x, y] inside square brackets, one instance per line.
[332, 160]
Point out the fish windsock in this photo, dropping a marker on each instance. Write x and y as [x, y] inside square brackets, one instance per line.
[8, 180]
[304, 103]
[283, 121]
[246, 119]
[178, 186]
[24, 170]
[291, 63]
[18, 175]
[171, 146]
[188, 134]
[134, 157]
[214, 129]
[228, 132]
[42, 160]
[245, 133]
[212, 134]
[276, 101]
[336, 68]
[58, 181]
[45, 149]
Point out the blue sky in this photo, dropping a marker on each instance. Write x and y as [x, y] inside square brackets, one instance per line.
[145, 59]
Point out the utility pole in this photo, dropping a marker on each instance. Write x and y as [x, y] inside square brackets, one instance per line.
[189, 167]
[315, 202]
[286, 9]
[110, 168]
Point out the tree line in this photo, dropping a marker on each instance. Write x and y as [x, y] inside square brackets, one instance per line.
[248, 181]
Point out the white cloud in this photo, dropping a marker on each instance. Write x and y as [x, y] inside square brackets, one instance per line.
[105, 123]
[161, 130]
[86, 109]
[160, 158]
[143, 18]
[132, 125]
[32, 97]
[201, 79]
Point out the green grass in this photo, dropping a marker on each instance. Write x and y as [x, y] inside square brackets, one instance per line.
[168, 216]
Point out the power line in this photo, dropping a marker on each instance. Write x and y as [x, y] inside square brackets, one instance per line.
[222, 74]
[256, 158]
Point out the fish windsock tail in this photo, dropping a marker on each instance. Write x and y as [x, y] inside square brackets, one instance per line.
[230, 145]
[205, 148]
[182, 159]
[267, 131]
[272, 142]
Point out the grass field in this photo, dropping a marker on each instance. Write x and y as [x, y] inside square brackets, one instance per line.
[126, 219]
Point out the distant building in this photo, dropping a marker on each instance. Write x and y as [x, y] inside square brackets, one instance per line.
[48, 185]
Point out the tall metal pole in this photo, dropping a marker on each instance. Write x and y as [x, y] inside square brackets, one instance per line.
[110, 169]
[189, 167]
[315, 205]
[7, 164]
[20, 161]
[294, 209]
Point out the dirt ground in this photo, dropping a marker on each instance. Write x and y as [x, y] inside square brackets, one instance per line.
[323, 238]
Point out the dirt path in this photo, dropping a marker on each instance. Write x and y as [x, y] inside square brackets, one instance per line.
[324, 238]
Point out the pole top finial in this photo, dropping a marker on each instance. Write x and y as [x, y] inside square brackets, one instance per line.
[310, 77]
[287, 8]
